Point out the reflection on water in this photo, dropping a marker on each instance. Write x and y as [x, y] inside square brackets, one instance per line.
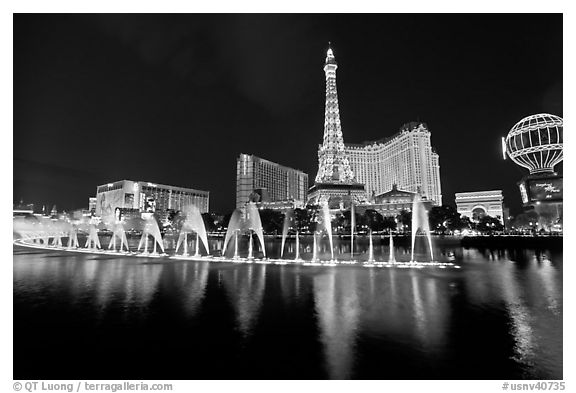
[407, 306]
[337, 307]
[530, 288]
[245, 287]
[498, 317]
[521, 328]
[191, 280]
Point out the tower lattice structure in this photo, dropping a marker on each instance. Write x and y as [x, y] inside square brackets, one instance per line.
[333, 163]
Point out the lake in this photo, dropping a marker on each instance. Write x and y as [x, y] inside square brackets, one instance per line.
[83, 316]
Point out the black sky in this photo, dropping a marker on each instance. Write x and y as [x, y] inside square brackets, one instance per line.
[174, 99]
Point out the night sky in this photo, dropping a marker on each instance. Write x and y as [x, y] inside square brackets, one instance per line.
[174, 99]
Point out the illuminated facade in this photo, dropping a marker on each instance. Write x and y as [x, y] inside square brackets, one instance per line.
[475, 205]
[393, 202]
[147, 197]
[22, 209]
[266, 182]
[536, 143]
[406, 159]
[335, 182]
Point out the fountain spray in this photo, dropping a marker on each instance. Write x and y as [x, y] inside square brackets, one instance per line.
[297, 247]
[420, 221]
[314, 249]
[352, 225]
[328, 226]
[371, 249]
[197, 253]
[236, 245]
[250, 248]
[391, 257]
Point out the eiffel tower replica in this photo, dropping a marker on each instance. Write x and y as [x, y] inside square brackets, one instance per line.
[335, 182]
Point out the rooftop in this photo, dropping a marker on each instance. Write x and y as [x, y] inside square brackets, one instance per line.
[407, 127]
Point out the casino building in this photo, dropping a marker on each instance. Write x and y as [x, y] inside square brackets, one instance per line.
[406, 160]
[269, 184]
[536, 143]
[357, 173]
[131, 198]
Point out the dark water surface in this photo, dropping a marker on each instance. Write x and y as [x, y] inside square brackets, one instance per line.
[80, 316]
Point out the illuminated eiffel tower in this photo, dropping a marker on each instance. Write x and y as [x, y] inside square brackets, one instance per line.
[335, 181]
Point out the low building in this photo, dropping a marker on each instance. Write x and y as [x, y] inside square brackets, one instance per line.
[392, 203]
[477, 204]
[22, 209]
[544, 193]
[125, 196]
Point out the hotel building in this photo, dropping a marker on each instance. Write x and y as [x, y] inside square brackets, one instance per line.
[263, 181]
[406, 159]
[144, 197]
[92, 204]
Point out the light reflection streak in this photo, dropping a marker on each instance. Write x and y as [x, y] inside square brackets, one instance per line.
[337, 308]
[245, 287]
[191, 279]
[521, 329]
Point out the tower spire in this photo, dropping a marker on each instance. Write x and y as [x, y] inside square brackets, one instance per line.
[335, 183]
[333, 163]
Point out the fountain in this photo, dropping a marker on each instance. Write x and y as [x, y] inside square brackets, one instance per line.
[92, 242]
[72, 237]
[185, 252]
[193, 222]
[57, 239]
[254, 224]
[352, 227]
[183, 238]
[287, 220]
[420, 221]
[297, 257]
[391, 257]
[197, 245]
[119, 233]
[54, 231]
[248, 221]
[234, 226]
[250, 248]
[314, 249]
[236, 255]
[327, 222]
[151, 229]
[46, 234]
[370, 249]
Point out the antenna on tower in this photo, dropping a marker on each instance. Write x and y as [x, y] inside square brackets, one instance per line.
[329, 52]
